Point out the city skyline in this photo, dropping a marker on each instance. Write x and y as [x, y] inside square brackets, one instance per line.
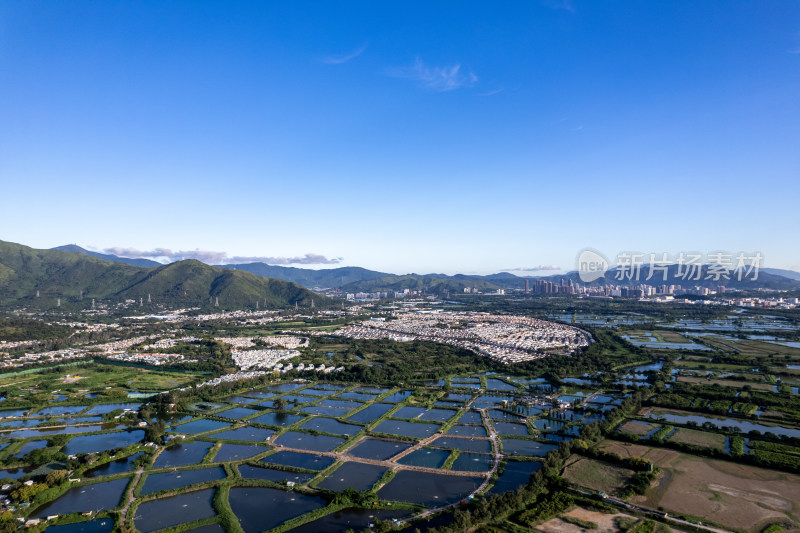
[403, 138]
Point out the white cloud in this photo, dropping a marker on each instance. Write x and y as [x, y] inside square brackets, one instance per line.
[219, 258]
[442, 79]
[538, 268]
[566, 5]
[340, 59]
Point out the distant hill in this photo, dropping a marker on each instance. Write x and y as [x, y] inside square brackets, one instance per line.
[356, 279]
[435, 283]
[766, 280]
[146, 263]
[791, 274]
[57, 274]
[323, 278]
[430, 283]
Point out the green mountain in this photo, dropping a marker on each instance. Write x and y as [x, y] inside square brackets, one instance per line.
[325, 278]
[55, 274]
[147, 263]
[438, 283]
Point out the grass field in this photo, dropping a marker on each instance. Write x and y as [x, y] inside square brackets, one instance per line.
[699, 438]
[660, 336]
[637, 428]
[76, 381]
[725, 382]
[596, 475]
[671, 336]
[753, 348]
[704, 365]
[735, 496]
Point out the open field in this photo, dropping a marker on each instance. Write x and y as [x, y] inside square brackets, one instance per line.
[753, 348]
[735, 496]
[725, 382]
[660, 336]
[671, 336]
[783, 370]
[705, 365]
[699, 438]
[596, 475]
[637, 428]
[77, 380]
[606, 523]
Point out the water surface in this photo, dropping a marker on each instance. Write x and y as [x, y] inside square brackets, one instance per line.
[300, 460]
[102, 442]
[180, 478]
[259, 508]
[377, 449]
[180, 509]
[357, 475]
[97, 497]
[427, 489]
[182, 455]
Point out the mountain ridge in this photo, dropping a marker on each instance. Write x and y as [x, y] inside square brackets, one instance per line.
[358, 279]
[140, 262]
[71, 276]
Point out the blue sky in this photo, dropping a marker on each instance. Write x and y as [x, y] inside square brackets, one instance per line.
[403, 136]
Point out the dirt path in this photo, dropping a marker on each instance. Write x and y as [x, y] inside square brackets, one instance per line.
[340, 456]
[488, 476]
[129, 497]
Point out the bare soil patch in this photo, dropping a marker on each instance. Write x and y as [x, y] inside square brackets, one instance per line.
[735, 496]
[606, 523]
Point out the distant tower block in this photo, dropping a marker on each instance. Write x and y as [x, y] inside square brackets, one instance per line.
[81, 295]
[58, 304]
[92, 303]
[141, 302]
[37, 293]
[295, 305]
[216, 301]
[256, 304]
